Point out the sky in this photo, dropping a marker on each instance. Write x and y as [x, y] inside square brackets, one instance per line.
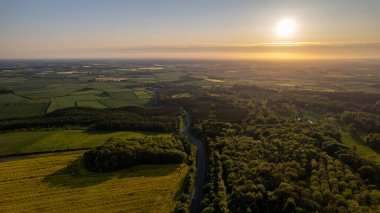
[226, 29]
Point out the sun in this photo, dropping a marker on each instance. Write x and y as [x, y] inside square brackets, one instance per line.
[286, 27]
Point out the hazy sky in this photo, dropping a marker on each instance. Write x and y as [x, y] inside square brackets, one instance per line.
[187, 28]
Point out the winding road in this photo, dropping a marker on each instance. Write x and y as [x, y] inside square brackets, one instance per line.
[201, 167]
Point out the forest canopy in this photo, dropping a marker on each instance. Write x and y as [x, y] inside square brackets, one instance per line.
[123, 153]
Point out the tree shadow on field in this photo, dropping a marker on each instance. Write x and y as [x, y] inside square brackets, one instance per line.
[75, 175]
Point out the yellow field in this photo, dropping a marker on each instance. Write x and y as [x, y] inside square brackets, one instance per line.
[55, 183]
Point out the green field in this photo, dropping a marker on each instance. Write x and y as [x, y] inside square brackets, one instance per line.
[22, 109]
[360, 147]
[71, 100]
[39, 141]
[44, 94]
[114, 103]
[86, 92]
[182, 95]
[96, 99]
[126, 95]
[47, 183]
[105, 86]
[60, 103]
[143, 94]
[169, 76]
[52, 90]
[122, 103]
[10, 98]
[92, 104]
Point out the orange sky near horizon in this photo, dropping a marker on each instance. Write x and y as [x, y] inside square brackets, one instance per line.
[190, 29]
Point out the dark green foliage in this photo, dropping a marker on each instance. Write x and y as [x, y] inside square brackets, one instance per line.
[281, 176]
[188, 184]
[367, 122]
[5, 91]
[373, 140]
[119, 154]
[129, 118]
[275, 160]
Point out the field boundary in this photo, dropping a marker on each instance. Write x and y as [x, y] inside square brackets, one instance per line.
[43, 152]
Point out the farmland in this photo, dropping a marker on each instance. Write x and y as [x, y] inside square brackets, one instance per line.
[134, 83]
[47, 182]
[72, 100]
[303, 139]
[22, 109]
[91, 104]
[10, 98]
[40, 141]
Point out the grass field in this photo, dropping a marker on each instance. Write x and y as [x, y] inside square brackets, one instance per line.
[182, 95]
[126, 95]
[86, 92]
[10, 98]
[39, 141]
[114, 103]
[121, 103]
[143, 94]
[47, 183]
[60, 103]
[92, 104]
[22, 109]
[52, 90]
[105, 86]
[360, 147]
[71, 100]
[45, 94]
[168, 76]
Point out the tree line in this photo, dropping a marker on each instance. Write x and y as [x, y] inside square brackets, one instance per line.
[123, 153]
[130, 118]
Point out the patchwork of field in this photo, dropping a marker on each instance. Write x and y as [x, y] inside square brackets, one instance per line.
[71, 101]
[40, 141]
[102, 99]
[71, 84]
[35, 97]
[58, 183]
[51, 90]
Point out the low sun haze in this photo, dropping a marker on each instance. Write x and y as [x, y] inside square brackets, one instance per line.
[190, 29]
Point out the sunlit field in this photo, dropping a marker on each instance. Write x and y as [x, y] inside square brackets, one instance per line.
[55, 183]
[42, 141]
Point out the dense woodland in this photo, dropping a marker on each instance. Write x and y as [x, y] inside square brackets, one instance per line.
[119, 154]
[282, 151]
[127, 118]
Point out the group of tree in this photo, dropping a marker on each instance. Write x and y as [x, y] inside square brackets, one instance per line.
[123, 153]
[373, 140]
[128, 118]
[363, 121]
[273, 160]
